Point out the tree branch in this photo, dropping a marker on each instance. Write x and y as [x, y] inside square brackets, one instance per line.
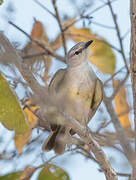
[124, 141]
[61, 29]
[114, 17]
[48, 51]
[133, 69]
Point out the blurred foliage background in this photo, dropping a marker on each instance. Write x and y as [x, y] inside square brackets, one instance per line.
[74, 21]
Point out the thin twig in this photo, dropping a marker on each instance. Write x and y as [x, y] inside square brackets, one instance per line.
[126, 33]
[45, 8]
[29, 56]
[113, 75]
[124, 141]
[87, 16]
[118, 34]
[118, 87]
[100, 7]
[60, 26]
[120, 174]
[102, 25]
[121, 48]
[48, 51]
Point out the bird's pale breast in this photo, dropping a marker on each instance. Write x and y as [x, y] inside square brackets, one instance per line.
[77, 93]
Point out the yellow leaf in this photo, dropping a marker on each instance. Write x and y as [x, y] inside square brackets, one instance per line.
[121, 105]
[82, 34]
[31, 117]
[11, 114]
[102, 56]
[21, 140]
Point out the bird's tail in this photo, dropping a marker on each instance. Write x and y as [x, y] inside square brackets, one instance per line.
[56, 141]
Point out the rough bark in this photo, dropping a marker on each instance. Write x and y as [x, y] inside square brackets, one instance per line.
[133, 69]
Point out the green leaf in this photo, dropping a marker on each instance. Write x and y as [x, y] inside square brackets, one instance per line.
[1, 1]
[11, 114]
[11, 176]
[52, 172]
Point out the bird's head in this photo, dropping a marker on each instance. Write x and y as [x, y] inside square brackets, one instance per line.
[78, 54]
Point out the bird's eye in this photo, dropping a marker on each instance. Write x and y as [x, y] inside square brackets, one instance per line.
[77, 52]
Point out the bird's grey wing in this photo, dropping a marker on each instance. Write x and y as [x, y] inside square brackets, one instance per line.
[57, 79]
[97, 98]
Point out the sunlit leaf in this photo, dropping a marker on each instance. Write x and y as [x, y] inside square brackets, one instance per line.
[11, 114]
[29, 111]
[11, 176]
[121, 106]
[21, 140]
[82, 34]
[103, 57]
[52, 172]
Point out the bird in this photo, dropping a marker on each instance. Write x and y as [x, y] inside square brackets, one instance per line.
[78, 91]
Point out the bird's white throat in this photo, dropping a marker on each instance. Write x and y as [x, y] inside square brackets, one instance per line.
[82, 71]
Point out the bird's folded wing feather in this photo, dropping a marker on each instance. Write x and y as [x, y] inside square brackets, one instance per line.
[96, 100]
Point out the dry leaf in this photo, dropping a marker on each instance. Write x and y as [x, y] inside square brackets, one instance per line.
[21, 140]
[31, 117]
[38, 32]
[121, 106]
[27, 173]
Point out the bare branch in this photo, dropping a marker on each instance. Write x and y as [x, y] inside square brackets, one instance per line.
[118, 34]
[88, 139]
[45, 8]
[113, 75]
[102, 25]
[48, 51]
[100, 7]
[124, 141]
[29, 56]
[119, 86]
[133, 69]
[87, 16]
[60, 25]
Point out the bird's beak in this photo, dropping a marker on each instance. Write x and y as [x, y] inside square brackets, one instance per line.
[88, 43]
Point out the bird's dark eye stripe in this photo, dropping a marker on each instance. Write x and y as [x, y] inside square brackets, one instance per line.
[77, 52]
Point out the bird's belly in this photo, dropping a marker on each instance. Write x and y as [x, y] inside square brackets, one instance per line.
[77, 103]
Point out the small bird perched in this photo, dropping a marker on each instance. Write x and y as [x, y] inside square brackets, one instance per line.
[77, 90]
